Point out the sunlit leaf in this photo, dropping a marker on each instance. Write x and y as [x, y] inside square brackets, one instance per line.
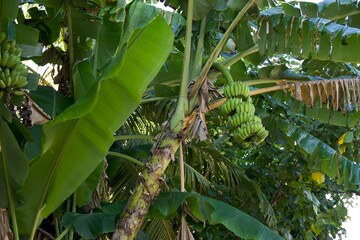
[68, 154]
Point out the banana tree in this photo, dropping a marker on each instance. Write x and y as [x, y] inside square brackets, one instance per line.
[105, 78]
[108, 53]
[296, 30]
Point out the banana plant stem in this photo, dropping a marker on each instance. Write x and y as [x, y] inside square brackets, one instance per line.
[229, 62]
[182, 104]
[62, 235]
[70, 43]
[199, 49]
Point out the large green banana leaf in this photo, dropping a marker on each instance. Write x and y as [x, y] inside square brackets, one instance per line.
[13, 166]
[78, 139]
[214, 212]
[324, 158]
[166, 206]
[289, 29]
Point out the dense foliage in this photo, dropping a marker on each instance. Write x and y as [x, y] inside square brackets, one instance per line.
[89, 146]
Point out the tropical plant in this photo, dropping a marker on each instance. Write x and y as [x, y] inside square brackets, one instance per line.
[139, 117]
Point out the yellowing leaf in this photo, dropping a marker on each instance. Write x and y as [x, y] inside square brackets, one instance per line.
[315, 229]
[342, 139]
[318, 177]
[342, 149]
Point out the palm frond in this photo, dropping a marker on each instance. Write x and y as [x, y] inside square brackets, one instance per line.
[210, 168]
[159, 229]
[124, 180]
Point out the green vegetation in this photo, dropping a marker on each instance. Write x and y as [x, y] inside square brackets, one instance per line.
[210, 119]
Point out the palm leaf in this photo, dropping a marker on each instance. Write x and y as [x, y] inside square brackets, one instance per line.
[124, 179]
[159, 229]
[79, 138]
[206, 168]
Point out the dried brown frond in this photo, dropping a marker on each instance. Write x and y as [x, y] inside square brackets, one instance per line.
[338, 94]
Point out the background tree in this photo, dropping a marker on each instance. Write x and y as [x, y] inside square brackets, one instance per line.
[107, 55]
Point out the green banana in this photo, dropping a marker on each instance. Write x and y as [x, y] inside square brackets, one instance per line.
[239, 118]
[230, 105]
[236, 90]
[18, 92]
[4, 58]
[2, 37]
[2, 84]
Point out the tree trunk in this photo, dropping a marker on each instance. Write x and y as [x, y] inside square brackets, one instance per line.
[5, 231]
[148, 187]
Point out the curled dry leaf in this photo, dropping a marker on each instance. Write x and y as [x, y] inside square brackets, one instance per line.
[338, 94]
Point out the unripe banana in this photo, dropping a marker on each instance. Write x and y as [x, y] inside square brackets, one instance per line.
[236, 90]
[239, 118]
[255, 119]
[19, 80]
[18, 92]
[230, 105]
[2, 37]
[2, 75]
[2, 84]
[8, 81]
[13, 60]
[4, 58]
[22, 83]
[7, 72]
[6, 46]
[246, 107]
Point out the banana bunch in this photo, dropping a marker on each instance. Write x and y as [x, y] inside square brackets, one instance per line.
[13, 74]
[249, 130]
[236, 90]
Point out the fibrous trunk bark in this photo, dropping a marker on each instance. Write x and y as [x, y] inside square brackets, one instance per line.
[151, 179]
[5, 231]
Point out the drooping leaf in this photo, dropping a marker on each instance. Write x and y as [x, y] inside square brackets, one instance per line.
[50, 101]
[85, 29]
[13, 166]
[79, 138]
[338, 94]
[27, 35]
[324, 158]
[91, 225]
[333, 117]
[214, 212]
[307, 35]
[8, 13]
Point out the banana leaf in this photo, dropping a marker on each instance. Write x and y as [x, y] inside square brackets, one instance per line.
[76, 141]
[13, 167]
[214, 212]
[165, 207]
[323, 158]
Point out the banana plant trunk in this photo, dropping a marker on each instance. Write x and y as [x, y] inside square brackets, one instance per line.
[148, 187]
